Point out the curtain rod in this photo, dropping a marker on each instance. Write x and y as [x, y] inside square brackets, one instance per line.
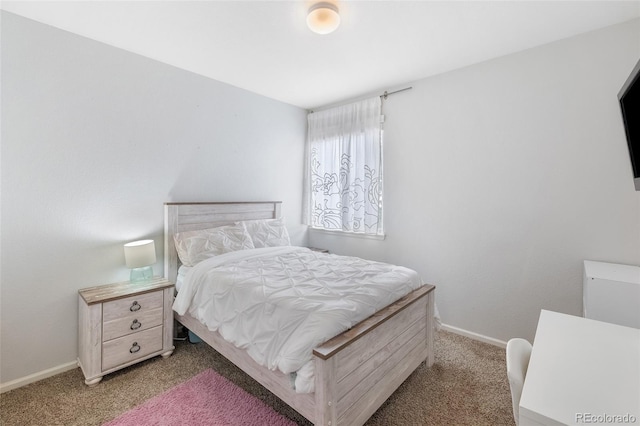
[384, 95]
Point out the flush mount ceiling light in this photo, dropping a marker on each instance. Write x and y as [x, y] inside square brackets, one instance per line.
[323, 18]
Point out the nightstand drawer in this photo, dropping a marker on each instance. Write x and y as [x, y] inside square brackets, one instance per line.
[129, 348]
[136, 322]
[134, 305]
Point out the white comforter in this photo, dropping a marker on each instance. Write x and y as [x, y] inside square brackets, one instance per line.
[279, 303]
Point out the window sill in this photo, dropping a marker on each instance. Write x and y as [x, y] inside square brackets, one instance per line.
[347, 234]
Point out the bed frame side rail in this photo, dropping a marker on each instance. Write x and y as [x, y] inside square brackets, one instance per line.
[278, 383]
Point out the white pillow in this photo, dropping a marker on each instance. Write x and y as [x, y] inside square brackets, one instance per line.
[268, 232]
[196, 246]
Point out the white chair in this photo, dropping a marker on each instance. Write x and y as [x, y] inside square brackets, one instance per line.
[518, 354]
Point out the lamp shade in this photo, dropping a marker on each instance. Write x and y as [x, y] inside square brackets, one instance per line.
[139, 254]
[323, 18]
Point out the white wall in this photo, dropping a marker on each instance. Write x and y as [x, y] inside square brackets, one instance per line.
[501, 178]
[94, 141]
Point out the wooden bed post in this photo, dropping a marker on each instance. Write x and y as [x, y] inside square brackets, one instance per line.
[170, 253]
[325, 378]
[430, 328]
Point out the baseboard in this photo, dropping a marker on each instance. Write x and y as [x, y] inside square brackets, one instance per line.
[23, 381]
[474, 336]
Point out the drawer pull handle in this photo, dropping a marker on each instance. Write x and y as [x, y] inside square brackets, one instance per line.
[135, 306]
[134, 348]
[135, 324]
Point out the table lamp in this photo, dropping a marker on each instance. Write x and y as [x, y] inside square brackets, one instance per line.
[139, 256]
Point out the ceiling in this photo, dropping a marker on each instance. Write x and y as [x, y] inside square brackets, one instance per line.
[266, 48]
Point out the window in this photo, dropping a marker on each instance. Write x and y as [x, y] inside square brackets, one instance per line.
[343, 188]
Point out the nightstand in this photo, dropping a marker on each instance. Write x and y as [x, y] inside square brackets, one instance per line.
[121, 324]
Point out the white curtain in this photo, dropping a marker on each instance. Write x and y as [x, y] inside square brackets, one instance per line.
[343, 180]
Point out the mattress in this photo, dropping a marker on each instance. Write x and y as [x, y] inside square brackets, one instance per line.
[279, 303]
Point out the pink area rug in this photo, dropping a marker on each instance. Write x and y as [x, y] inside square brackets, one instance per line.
[206, 399]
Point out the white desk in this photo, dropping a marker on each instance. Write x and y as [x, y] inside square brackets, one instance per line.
[579, 368]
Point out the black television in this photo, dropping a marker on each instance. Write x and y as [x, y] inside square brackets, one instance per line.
[629, 97]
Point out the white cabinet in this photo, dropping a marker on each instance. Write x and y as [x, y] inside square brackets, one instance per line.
[612, 293]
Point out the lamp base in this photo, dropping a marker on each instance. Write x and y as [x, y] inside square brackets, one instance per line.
[141, 275]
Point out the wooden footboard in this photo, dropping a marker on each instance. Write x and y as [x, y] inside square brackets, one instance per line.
[356, 371]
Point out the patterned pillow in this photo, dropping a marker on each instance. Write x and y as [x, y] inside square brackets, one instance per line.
[196, 246]
[268, 232]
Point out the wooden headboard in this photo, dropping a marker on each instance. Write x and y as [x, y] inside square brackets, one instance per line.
[180, 217]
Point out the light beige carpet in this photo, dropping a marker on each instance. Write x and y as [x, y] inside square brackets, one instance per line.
[467, 385]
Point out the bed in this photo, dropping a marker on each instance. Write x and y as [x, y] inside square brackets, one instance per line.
[355, 371]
